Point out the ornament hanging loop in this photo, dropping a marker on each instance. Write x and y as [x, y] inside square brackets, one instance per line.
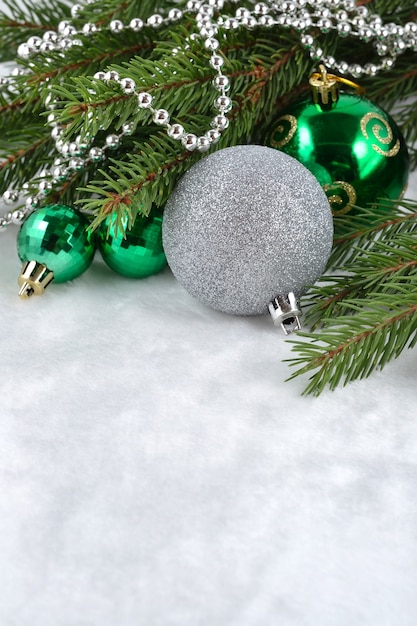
[325, 88]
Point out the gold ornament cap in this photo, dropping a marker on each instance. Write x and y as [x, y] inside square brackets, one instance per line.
[325, 88]
[33, 279]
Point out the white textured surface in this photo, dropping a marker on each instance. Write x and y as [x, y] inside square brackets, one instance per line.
[155, 469]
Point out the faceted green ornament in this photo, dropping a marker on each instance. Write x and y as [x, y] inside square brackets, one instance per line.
[139, 252]
[355, 150]
[53, 242]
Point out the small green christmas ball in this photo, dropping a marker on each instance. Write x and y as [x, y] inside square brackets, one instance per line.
[139, 252]
[355, 149]
[57, 236]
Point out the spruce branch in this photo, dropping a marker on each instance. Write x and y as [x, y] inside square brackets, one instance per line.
[365, 312]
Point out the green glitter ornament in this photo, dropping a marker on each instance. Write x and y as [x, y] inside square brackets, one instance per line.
[139, 252]
[55, 244]
[353, 147]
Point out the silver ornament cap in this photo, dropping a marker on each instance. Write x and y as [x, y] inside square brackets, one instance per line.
[246, 226]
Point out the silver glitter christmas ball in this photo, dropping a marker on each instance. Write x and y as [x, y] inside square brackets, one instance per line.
[244, 225]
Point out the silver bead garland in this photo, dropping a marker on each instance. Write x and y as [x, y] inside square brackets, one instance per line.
[307, 17]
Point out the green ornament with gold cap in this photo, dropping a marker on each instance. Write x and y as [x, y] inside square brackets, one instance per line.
[353, 147]
[54, 243]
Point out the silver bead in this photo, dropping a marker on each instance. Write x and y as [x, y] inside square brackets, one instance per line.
[206, 10]
[112, 75]
[50, 36]
[100, 75]
[366, 33]
[266, 20]
[316, 53]
[45, 187]
[112, 141]
[62, 26]
[4, 81]
[344, 29]
[51, 119]
[155, 21]
[3, 224]
[213, 135]
[203, 144]
[211, 44]
[343, 67]
[136, 24]
[128, 128]
[324, 24]
[193, 5]
[341, 16]
[10, 196]
[221, 82]
[69, 30]
[242, 12]
[207, 32]
[363, 11]
[260, 8]
[189, 141]
[174, 15]
[47, 46]
[370, 69]
[50, 101]
[216, 61]
[96, 154]
[220, 122]
[24, 51]
[76, 10]
[18, 216]
[307, 41]
[60, 173]
[76, 163]
[128, 85]
[144, 100]
[56, 132]
[82, 143]
[34, 42]
[410, 28]
[387, 63]
[223, 104]
[65, 43]
[249, 22]
[89, 28]
[175, 131]
[32, 202]
[116, 26]
[161, 117]
[231, 24]
[62, 147]
[74, 148]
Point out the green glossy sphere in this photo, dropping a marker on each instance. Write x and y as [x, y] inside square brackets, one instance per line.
[355, 150]
[56, 236]
[137, 254]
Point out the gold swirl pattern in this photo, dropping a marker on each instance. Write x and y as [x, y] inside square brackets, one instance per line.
[340, 205]
[384, 140]
[286, 125]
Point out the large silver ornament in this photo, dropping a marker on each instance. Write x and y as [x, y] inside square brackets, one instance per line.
[245, 225]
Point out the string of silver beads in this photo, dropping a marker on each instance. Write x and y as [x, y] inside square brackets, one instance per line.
[305, 16]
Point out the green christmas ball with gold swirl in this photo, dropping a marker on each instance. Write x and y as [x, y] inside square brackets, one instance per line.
[352, 146]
